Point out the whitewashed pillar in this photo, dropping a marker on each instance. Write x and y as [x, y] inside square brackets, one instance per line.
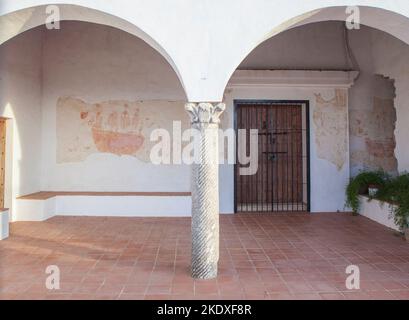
[205, 189]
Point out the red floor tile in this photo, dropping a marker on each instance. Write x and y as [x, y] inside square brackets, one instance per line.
[262, 256]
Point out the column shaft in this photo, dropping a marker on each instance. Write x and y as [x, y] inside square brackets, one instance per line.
[205, 191]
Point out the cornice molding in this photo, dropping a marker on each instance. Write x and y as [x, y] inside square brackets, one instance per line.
[292, 78]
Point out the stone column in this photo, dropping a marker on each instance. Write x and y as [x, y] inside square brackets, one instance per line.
[205, 189]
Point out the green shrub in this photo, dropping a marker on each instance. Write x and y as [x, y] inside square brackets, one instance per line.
[359, 185]
[396, 192]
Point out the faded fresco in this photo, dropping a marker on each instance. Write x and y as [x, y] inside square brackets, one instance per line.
[331, 125]
[375, 127]
[117, 127]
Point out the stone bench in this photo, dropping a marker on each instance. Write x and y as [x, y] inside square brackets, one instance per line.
[43, 205]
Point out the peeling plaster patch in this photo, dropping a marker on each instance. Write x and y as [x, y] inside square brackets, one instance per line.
[116, 142]
[115, 127]
[331, 125]
[375, 128]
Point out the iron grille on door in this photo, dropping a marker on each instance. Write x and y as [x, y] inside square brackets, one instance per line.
[281, 181]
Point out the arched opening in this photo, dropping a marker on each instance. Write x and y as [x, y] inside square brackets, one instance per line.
[82, 102]
[19, 21]
[317, 59]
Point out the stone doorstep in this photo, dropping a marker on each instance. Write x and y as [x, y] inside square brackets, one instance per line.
[4, 224]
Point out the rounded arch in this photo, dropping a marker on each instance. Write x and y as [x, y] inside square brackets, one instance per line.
[16, 22]
[391, 22]
[388, 21]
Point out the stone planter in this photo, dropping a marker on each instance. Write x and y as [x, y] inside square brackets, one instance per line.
[378, 211]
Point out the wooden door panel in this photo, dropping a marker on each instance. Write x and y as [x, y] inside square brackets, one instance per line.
[278, 183]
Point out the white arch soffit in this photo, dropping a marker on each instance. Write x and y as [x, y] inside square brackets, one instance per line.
[17, 22]
[391, 22]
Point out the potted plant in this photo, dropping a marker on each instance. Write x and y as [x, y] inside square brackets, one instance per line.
[373, 189]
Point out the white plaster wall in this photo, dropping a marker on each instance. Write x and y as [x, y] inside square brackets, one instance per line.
[368, 86]
[362, 101]
[97, 63]
[322, 46]
[20, 101]
[217, 35]
[315, 46]
[391, 58]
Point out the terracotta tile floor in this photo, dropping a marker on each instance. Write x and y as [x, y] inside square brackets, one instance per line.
[276, 256]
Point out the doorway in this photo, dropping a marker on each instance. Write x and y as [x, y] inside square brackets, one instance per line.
[281, 183]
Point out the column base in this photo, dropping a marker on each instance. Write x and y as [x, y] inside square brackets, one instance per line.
[205, 274]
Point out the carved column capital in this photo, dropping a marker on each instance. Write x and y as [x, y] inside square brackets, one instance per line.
[205, 112]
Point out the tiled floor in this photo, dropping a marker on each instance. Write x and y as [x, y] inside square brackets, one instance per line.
[276, 256]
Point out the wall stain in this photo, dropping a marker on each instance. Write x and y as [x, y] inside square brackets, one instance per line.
[375, 129]
[116, 127]
[331, 125]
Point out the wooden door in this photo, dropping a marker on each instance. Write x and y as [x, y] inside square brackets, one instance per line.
[279, 182]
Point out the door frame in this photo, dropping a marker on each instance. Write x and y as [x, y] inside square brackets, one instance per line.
[236, 105]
